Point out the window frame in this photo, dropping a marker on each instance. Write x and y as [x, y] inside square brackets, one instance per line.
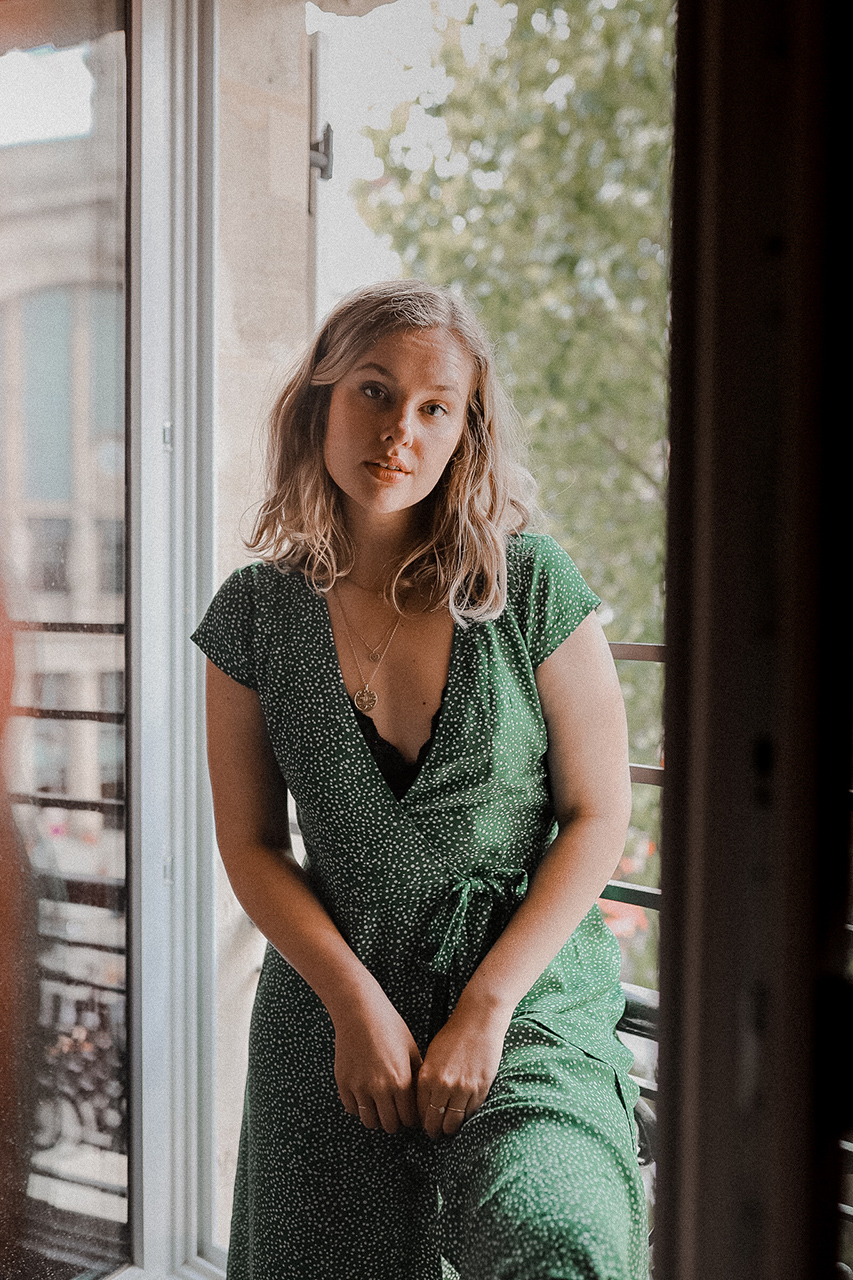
[171, 181]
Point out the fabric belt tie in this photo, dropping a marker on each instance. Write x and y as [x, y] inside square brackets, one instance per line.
[476, 907]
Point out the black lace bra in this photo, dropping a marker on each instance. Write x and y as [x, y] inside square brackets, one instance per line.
[397, 771]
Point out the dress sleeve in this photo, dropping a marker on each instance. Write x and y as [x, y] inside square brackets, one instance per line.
[226, 633]
[559, 600]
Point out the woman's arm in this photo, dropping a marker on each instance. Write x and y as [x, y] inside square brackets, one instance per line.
[588, 763]
[376, 1058]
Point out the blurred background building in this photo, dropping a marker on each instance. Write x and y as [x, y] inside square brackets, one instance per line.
[62, 508]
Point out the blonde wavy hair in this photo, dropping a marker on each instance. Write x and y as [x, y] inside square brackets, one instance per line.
[483, 495]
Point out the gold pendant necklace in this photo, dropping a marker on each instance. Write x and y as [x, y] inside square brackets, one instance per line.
[366, 698]
[375, 651]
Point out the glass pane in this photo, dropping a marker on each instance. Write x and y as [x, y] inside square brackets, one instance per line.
[62, 160]
[46, 336]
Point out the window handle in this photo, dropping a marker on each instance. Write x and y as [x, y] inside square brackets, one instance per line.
[320, 154]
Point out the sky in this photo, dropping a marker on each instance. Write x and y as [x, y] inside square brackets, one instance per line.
[44, 94]
[366, 67]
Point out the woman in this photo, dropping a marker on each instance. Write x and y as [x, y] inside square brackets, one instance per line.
[434, 1085]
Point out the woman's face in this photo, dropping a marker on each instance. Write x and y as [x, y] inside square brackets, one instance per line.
[396, 418]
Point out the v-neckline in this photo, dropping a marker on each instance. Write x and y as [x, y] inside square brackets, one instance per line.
[355, 727]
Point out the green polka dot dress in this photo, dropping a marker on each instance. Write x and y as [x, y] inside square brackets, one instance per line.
[542, 1183]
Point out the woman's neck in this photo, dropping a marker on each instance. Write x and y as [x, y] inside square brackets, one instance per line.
[380, 547]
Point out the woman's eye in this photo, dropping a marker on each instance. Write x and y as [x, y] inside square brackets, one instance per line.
[435, 410]
[372, 391]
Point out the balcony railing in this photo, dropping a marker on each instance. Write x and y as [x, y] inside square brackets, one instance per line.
[77, 1207]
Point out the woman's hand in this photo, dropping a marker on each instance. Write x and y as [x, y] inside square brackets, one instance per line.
[459, 1068]
[376, 1065]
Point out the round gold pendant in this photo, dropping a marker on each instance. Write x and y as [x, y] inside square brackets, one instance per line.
[365, 699]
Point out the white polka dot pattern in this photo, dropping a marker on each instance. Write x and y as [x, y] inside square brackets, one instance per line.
[543, 1181]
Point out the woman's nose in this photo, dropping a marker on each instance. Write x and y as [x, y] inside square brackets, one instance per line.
[400, 424]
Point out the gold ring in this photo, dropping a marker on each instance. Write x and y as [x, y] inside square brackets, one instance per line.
[440, 1110]
[461, 1110]
[364, 1106]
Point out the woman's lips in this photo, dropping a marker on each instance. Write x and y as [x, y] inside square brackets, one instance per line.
[388, 470]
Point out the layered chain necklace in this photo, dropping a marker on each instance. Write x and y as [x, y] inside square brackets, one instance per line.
[366, 698]
[376, 652]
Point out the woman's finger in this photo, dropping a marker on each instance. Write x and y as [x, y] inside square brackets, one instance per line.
[433, 1119]
[349, 1101]
[455, 1115]
[368, 1114]
[387, 1113]
[407, 1108]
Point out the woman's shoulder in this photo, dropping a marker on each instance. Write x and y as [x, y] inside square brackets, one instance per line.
[545, 591]
[260, 582]
[527, 544]
[530, 554]
[253, 602]
[253, 592]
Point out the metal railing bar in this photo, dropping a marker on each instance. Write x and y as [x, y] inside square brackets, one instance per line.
[53, 713]
[648, 1088]
[85, 628]
[53, 801]
[650, 773]
[65, 941]
[107, 893]
[638, 652]
[641, 1012]
[637, 895]
[846, 1149]
[80, 990]
[76, 880]
[68, 980]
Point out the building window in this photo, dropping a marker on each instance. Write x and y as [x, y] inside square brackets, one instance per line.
[111, 747]
[106, 362]
[46, 325]
[111, 556]
[51, 743]
[50, 758]
[52, 690]
[111, 691]
[49, 540]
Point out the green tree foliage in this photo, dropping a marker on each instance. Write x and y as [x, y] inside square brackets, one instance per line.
[542, 192]
[535, 178]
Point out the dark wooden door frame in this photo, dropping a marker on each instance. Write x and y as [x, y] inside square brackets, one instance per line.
[754, 1006]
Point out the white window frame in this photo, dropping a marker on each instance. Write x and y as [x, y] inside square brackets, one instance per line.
[172, 115]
